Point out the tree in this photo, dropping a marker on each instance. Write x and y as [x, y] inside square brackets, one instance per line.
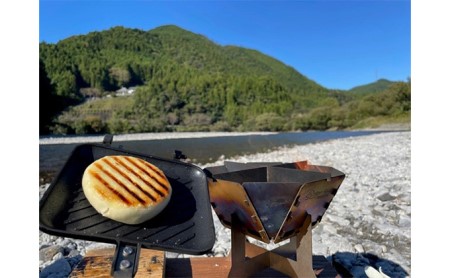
[46, 111]
[120, 76]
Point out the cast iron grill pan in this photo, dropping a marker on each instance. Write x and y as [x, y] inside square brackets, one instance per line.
[184, 226]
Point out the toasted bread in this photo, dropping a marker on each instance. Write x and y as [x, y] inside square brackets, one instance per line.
[126, 188]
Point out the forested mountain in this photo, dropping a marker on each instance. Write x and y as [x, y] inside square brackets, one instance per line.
[379, 86]
[183, 82]
[120, 56]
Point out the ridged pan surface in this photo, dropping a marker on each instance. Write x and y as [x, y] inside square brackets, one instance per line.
[184, 226]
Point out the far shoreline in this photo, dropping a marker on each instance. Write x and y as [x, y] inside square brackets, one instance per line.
[74, 139]
[71, 139]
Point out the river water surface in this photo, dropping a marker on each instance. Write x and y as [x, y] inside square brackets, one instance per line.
[199, 150]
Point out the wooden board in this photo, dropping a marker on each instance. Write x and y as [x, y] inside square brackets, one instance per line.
[97, 264]
[219, 267]
[152, 264]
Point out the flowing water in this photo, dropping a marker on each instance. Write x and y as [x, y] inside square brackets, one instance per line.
[198, 150]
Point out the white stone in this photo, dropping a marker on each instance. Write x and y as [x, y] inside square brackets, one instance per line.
[58, 256]
[359, 248]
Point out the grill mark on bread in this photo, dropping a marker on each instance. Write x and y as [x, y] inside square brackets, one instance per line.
[162, 180]
[139, 172]
[155, 181]
[117, 186]
[112, 191]
[137, 186]
[114, 177]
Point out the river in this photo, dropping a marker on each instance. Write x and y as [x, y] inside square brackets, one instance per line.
[199, 150]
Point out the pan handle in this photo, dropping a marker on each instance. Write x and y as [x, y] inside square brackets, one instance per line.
[125, 261]
[179, 155]
[107, 139]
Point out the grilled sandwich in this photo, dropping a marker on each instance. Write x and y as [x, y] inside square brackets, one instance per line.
[126, 188]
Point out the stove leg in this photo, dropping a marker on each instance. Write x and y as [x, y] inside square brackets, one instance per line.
[248, 259]
[301, 246]
[242, 266]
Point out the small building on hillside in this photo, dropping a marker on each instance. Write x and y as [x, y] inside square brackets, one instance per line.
[125, 92]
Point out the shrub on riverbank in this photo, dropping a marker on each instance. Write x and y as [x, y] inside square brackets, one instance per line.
[390, 106]
[370, 111]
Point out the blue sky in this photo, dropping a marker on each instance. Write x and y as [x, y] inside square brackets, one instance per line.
[338, 44]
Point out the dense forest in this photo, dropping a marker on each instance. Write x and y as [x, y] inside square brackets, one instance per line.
[182, 81]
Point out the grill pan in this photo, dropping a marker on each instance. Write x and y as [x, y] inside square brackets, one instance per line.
[184, 226]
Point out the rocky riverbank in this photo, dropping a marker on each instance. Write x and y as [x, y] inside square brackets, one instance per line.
[367, 224]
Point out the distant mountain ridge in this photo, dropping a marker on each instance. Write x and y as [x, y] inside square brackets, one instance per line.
[374, 87]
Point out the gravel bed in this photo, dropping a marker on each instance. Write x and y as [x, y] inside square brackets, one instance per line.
[367, 224]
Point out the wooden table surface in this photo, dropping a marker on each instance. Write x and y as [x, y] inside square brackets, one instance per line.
[153, 264]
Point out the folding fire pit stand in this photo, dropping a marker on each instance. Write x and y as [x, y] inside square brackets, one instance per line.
[272, 202]
[259, 258]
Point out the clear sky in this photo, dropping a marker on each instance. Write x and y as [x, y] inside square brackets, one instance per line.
[338, 44]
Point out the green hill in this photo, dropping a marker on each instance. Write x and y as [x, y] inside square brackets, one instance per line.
[183, 81]
[375, 87]
[120, 56]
